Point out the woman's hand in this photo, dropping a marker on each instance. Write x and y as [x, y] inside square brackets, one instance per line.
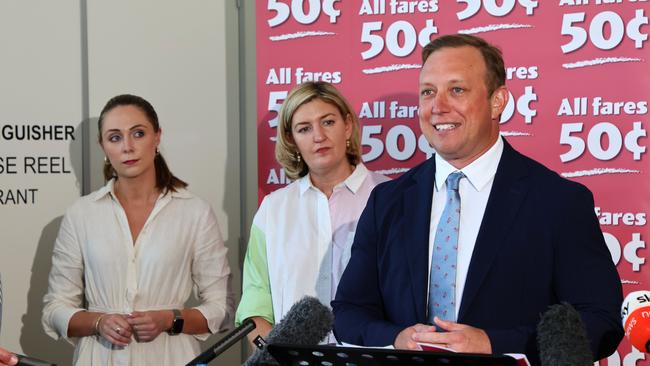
[115, 328]
[262, 329]
[147, 325]
[7, 358]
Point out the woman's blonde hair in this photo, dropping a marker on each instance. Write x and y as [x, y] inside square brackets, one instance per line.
[286, 151]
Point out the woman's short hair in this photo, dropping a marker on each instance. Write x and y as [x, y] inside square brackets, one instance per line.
[286, 151]
[165, 180]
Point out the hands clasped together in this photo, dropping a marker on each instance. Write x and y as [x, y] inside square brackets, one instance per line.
[141, 326]
[459, 337]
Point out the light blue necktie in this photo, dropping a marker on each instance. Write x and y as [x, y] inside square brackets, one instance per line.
[442, 284]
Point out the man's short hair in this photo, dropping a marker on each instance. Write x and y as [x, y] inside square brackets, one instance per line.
[496, 73]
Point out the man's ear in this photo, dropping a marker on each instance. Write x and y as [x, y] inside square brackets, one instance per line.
[498, 101]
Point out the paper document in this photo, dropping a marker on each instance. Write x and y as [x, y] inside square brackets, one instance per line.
[521, 358]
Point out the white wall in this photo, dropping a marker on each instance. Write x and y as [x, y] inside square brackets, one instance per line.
[41, 85]
[181, 56]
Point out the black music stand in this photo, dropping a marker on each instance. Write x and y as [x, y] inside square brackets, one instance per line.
[295, 355]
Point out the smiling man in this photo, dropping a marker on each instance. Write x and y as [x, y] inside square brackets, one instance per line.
[469, 248]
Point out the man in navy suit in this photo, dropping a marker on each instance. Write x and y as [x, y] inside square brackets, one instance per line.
[527, 237]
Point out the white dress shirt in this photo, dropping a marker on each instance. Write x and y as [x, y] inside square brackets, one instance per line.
[307, 239]
[306, 251]
[95, 259]
[474, 190]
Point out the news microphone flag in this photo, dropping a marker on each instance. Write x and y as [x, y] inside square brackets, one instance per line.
[635, 314]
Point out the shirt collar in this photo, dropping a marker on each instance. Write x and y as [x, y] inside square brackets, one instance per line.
[108, 189]
[304, 183]
[478, 173]
[353, 182]
[104, 191]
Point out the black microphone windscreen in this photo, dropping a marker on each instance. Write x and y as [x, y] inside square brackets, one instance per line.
[308, 322]
[562, 338]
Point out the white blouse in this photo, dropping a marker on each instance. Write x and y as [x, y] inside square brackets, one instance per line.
[96, 266]
[300, 244]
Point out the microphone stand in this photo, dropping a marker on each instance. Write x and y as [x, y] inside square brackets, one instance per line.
[29, 361]
[224, 343]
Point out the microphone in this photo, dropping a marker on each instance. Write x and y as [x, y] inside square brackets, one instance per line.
[562, 338]
[30, 361]
[307, 323]
[635, 313]
[224, 343]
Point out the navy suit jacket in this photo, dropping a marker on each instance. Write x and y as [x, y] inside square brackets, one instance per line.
[539, 244]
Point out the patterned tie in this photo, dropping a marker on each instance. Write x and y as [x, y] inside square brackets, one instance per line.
[442, 284]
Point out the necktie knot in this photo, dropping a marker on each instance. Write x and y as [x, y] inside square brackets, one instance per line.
[453, 179]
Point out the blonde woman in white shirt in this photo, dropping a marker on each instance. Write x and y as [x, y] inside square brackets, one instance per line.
[301, 235]
[128, 256]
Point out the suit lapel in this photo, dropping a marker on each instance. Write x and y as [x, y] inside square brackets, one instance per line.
[507, 194]
[417, 215]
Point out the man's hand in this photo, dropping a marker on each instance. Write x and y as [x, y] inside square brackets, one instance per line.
[404, 339]
[147, 325]
[459, 337]
[7, 358]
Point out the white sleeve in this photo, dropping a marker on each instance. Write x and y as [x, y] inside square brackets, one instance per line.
[212, 277]
[66, 284]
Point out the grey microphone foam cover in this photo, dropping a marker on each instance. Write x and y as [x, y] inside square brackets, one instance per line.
[562, 338]
[307, 323]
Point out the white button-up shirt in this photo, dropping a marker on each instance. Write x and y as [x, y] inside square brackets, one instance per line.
[179, 247]
[300, 244]
[474, 192]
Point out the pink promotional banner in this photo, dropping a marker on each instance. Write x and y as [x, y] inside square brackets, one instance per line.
[577, 71]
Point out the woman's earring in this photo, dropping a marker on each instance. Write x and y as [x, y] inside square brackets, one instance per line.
[298, 158]
[157, 151]
[347, 143]
[106, 162]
